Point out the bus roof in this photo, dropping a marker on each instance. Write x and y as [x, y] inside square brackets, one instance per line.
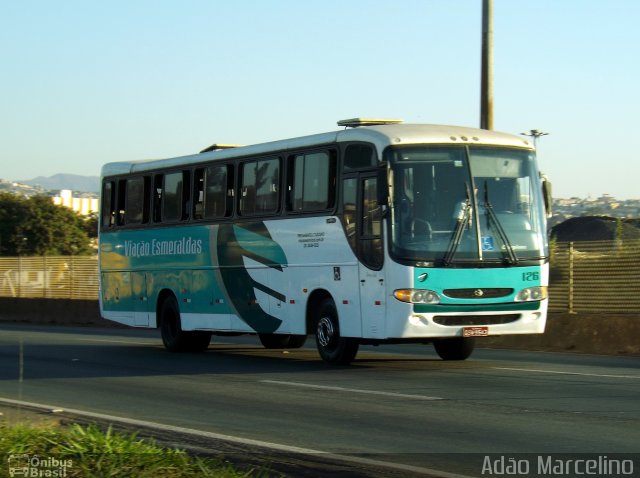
[380, 135]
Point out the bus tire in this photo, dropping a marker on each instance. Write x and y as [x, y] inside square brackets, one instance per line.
[333, 348]
[282, 341]
[173, 337]
[455, 348]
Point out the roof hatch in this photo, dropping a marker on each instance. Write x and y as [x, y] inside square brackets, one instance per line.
[355, 122]
[217, 146]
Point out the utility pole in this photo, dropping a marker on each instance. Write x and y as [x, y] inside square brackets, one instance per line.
[486, 83]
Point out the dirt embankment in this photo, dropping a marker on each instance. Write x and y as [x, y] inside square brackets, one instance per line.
[583, 333]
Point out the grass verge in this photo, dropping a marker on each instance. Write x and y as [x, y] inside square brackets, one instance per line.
[89, 451]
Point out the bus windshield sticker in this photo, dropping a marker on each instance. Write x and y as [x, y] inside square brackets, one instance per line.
[487, 243]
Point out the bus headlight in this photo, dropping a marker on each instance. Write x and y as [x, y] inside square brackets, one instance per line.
[531, 294]
[417, 296]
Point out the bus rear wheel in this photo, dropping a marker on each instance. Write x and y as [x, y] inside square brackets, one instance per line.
[173, 337]
[282, 341]
[333, 348]
[455, 348]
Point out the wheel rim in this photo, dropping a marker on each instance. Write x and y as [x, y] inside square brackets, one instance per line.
[326, 331]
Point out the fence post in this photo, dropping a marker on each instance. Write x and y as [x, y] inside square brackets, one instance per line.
[571, 291]
[72, 267]
[20, 277]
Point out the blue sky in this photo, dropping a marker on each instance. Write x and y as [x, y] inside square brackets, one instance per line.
[86, 82]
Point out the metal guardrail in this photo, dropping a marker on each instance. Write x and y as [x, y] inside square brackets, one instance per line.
[586, 277]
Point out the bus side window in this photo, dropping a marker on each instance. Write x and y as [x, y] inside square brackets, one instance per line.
[108, 218]
[260, 187]
[231, 191]
[216, 200]
[198, 193]
[370, 210]
[267, 186]
[371, 230]
[248, 189]
[349, 195]
[121, 202]
[311, 182]
[186, 196]
[146, 211]
[158, 187]
[295, 188]
[358, 156]
[137, 200]
[172, 197]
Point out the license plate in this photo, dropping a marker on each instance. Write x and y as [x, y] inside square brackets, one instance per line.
[475, 331]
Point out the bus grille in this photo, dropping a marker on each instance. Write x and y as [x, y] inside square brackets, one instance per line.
[457, 320]
[477, 293]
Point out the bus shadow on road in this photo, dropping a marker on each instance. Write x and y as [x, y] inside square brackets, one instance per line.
[51, 352]
[40, 359]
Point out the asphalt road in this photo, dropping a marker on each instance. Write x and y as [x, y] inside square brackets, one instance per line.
[399, 404]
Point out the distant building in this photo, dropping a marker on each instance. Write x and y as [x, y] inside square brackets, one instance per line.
[84, 205]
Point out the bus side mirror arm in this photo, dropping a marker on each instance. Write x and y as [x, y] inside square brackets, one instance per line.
[383, 187]
[546, 195]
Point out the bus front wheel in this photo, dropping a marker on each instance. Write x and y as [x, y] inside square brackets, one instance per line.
[455, 348]
[333, 348]
[173, 337]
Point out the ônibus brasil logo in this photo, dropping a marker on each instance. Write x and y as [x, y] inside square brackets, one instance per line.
[33, 466]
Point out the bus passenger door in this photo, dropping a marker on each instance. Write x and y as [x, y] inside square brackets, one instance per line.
[371, 256]
[140, 299]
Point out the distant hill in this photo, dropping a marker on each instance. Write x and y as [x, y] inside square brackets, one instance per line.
[86, 184]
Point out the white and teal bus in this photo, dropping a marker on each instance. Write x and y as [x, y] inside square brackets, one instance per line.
[381, 232]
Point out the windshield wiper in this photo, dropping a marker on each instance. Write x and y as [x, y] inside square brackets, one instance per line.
[491, 214]
[463, 217]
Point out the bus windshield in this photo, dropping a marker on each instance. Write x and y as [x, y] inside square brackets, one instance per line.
[465, 204]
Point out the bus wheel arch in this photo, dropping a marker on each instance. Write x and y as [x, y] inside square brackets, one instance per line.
[162, 296]
[173, 337]
[332, 347]
[317, 297]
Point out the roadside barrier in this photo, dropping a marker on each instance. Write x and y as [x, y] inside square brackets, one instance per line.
[595, 276]
[49, 277]
[585, 277]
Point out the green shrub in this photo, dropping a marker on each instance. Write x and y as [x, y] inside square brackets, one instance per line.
[88, 451]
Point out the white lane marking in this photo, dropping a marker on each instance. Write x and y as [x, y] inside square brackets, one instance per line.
[351, 390]
[243, 441]
[109, 341]
[636, 377]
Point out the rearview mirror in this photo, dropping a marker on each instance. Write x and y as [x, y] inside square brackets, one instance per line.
[546, 195]
[383, 186]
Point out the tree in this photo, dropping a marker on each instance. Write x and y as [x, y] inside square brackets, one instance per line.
[13, 210]
[36, 226]
[90, 225]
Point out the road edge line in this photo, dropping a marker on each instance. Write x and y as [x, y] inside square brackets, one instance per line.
[238, 440]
